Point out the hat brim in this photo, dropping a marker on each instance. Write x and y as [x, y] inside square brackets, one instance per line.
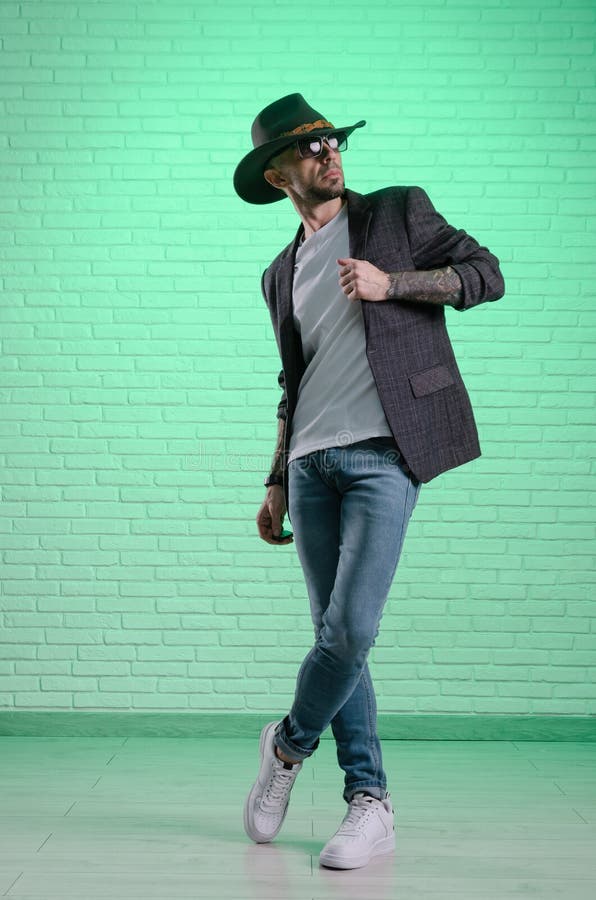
[249, 183]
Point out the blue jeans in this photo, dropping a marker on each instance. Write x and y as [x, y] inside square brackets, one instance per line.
[349, 509]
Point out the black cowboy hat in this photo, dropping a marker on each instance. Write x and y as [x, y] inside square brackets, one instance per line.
[276, 127]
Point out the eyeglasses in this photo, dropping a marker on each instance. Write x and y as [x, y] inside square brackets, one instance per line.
[313, 145]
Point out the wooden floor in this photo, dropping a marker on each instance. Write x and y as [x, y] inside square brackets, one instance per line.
[157, 817]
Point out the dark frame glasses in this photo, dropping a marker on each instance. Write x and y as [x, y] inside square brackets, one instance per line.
[312, 145]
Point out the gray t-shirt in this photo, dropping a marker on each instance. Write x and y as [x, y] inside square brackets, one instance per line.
[338, 401]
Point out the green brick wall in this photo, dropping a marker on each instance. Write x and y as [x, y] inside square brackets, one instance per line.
[138, 381]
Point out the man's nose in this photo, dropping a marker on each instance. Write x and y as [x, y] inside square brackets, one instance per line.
[327, 152]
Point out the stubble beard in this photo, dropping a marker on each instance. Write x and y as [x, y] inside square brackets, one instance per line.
[323, 194]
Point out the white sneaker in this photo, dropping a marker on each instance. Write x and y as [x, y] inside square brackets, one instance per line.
[366, 831]
[266, 805]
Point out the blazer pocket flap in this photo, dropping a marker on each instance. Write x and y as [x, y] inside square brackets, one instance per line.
[431, 380]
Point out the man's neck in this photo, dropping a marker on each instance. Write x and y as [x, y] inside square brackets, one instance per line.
[315, 217]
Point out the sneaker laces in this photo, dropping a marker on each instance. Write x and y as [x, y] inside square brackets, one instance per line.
[278, 787]
[361, 808]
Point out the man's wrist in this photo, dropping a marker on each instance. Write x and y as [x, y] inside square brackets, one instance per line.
[392, 292]
[273, 478]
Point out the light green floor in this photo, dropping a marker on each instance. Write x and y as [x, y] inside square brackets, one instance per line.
[156, 817]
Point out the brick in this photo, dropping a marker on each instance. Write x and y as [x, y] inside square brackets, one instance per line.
[150, 701]
[101, 699]
[159, 653]
[101, 668]
[49, 700]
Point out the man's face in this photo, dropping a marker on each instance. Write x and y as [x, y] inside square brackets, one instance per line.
[314, 180]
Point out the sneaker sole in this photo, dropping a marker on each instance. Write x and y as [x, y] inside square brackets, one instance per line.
[249, 827]
[332, 861]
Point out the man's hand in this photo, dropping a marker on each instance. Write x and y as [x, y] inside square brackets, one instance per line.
[271, 515]
[360, 280]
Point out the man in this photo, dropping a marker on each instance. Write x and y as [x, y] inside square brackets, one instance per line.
[373, 405]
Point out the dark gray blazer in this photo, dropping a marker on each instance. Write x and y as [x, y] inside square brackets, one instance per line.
[408, 348]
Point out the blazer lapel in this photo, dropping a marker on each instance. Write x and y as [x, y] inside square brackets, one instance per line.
[289, 341]
[285, 280]
[359, 216]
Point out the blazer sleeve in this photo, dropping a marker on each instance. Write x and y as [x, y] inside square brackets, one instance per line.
[434, 244]
[282, 406]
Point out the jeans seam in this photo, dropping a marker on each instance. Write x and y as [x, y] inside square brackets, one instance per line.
[371, 727]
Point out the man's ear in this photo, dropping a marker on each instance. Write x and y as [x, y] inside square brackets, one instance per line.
[275, 178]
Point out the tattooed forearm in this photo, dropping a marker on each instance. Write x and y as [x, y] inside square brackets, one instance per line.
[439, 286]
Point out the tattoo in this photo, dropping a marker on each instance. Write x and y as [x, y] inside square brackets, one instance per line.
[277, 464]
[439, 286]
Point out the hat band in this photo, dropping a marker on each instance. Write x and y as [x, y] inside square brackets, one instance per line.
[309, 126]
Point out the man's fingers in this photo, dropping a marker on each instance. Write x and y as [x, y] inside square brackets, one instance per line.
[348, 277]
[361, 280]
[264, 522]
[264, 531]
[276, 521]
[347, 266]
[266, 517]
